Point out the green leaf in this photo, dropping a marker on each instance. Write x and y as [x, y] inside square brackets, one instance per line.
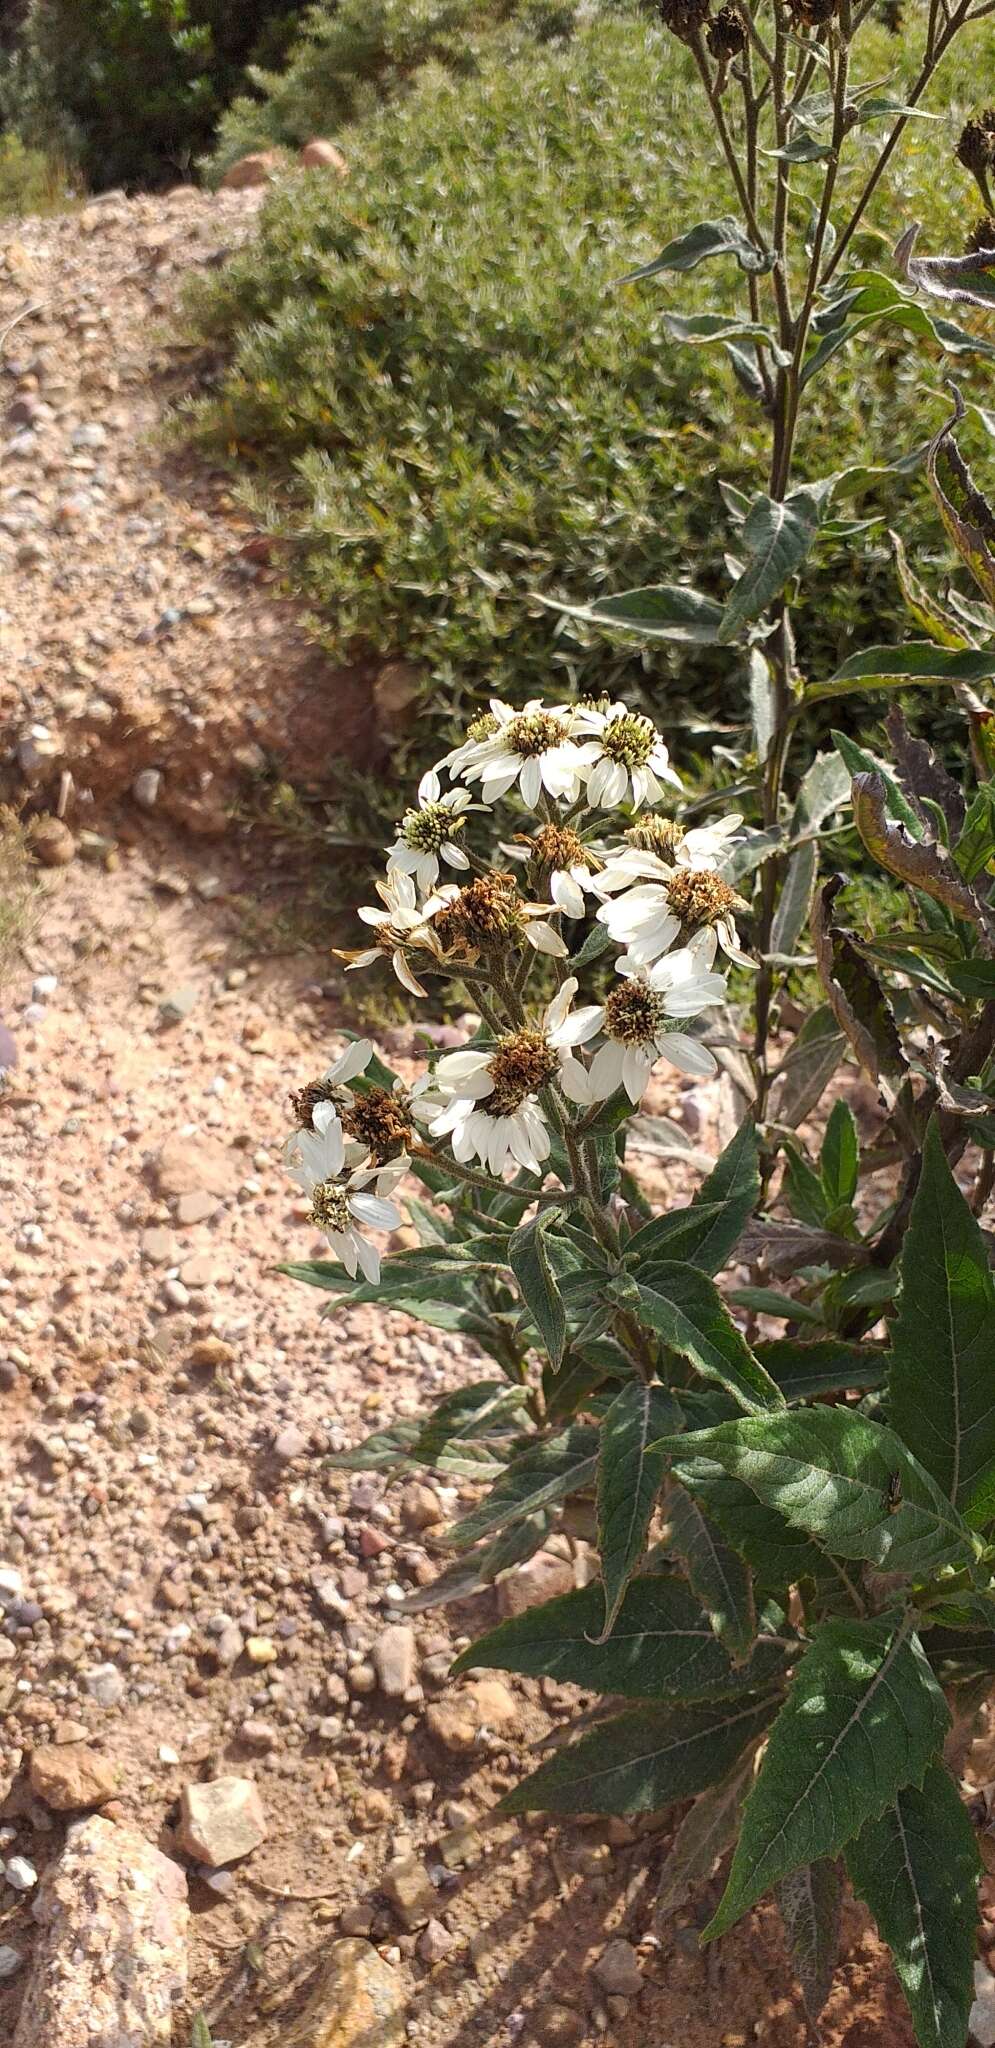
[917, 662]
[804, 149]
[480, 1567]
[715, 1573]
[829, 1472]
[768, 1301]
[941, 1381]
[630, 1472]
[705, 1833]
[975, 845]
[722, 237]
[860, 762]
[805, 1370]
[864, 1718]
[803, 1189]
[644, 1761]
[777, 536]
[702, 330]
[925, 609]
[663, 611]
[780, 1555]
[544, 1473]
[807, 1067]
[809, 1902]
[916, 1867]
[839, 1159]
[200, 2033]
[684, 1308]
[662, 1647]
[855, 995]
[824, 787]
[706, 1233]
[529, 1259]
[973, 978]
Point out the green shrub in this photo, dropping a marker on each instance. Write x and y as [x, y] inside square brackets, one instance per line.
[451, 403]
[30, 180]
[349, 54]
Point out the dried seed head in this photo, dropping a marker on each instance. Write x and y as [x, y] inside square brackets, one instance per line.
[535, 732]
[556, 846]
[380, 1121]
[305, 1100]
[651, 834]
[428, 830]
[981, 237]
[684, 17]
[330, 1206]
[634, 1013]
[813, 13]
[974, 148]
[726, 33]
[486, 913]
[520, 1065]
[699, 897]
[629, 739]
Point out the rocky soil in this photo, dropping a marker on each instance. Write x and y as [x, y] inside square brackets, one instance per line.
[203, 1639]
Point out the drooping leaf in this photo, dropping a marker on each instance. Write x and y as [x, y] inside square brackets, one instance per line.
[918, 661]
[965, 513]
[807, 1067]
[823, 1366]
[830, 1473]
[941, 1381]
[480, 1567]
[543, 1474]
[663, 611]
[439, 1272]
[823, 788]
[863, 1719]
[856, 997]
[975, 843]
[530, 1261]
[644, 1761]
[776, 537]
[924, 777]
[630, 1473]
[709, 238]
[704, 329]
[716, 1574]
[705, 1833]
[916, 1866]
[920, 863]
[927, 611]
[706, 1233]
[860, 762]
[662, 1647]
[809, 1902]
[683, 1306]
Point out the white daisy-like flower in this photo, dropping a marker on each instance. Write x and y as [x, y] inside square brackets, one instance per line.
[560, 861]
[626, 758]
[431, 832]
[401, 923]
[707, 846]
[636, 1027]
[649, 917]
[534, 747]
[491, 1113]
[315, 1161]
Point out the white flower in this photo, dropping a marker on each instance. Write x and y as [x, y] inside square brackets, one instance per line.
[649, 917]
[706, 846]
[626, 757]
[354, 1060]
[491, 1112]
[635, 1025]
[534, 747]
[402, 923]
[315, 1160]
[431, 832]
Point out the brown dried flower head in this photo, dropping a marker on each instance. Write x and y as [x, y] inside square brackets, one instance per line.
[556, 846]
[651, 834]
[381, 1122]
[484, 915]
[684, 18]
[982, 236]
[726, 33]
[698, 897]
[304, 1101]
[520, 1065]
[974, 147]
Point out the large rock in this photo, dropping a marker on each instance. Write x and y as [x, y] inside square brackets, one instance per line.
[258, 169]
[186, 1165]
[221, 1821]
[321, 155]
[111, 1960]
[540, 1578]
[359, 2003]
[70, 1776]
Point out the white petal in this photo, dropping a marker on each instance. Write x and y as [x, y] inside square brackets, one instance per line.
[345, 1244]
[454, 1066]
[378, 1215]
[687, 1054]
[596, 781]
[496, 786]
[545, 940]
[429, 788]
[566, 893]
[575, 1081]
[405, 976]
[530, 782]
[354, 1060]
[636, 1070]
[557, 1009]
[367, 959]
[369, 1259]
[580, 1026]
[454, 854]
[606, 1072]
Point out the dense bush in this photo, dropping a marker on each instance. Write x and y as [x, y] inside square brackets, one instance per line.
[31, 181]
[348, 54]
[72, 79]
[450, 417]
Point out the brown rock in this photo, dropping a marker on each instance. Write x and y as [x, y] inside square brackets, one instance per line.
[257, 169]
[359, 2003]
[183, 1164]
[540, 1578]
[111, 1959]
[211, 1351]
[406, 1883]
[72, 1777]
[52, 843]
[321, 155]
[221, 1821]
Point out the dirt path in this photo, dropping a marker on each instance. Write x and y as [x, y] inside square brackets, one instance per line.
[186, 1580]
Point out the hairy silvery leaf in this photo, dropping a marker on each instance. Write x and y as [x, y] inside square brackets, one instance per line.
[663, 611]
[703, 330]
[824, 787]
[723, 237]
[971, 278]
[663, 1646]
[975, 845]
[836, 1476]
[716, 1574]
[864, 1718]
[630, 1473]
[941, 1382]
[777, 536]
[809, 1901]
[925, 609]
[807, 1067]
[918, 661]
[855, 995]
[644, 1761]
[965, 513]
[916, 1866]
[924, 866]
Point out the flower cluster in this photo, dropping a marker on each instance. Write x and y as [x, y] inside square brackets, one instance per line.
[592, 846]
[348, 1182]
